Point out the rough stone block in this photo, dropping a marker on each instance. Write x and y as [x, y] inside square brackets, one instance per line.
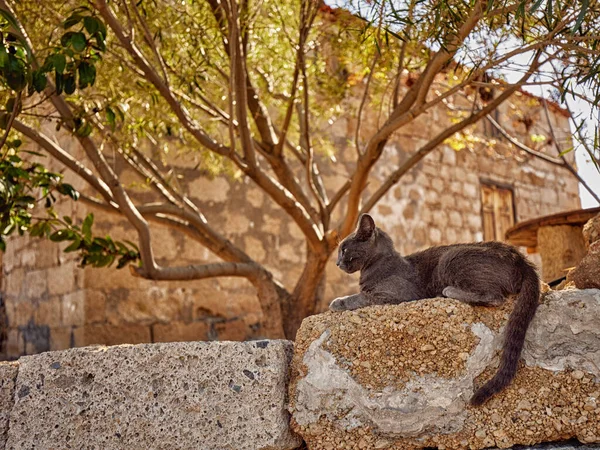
[49, 312]
[401, 376]
[8, 376]
[60, 338]
[94, 306]
[61, 279]
[155, 396]
[15, 345]
[36, 284]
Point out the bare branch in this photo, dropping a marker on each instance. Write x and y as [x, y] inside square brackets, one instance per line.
[522, 146]
[150, 74]
[274, 189]
[568, 166]
[363, 101]
[150, 41]
[203, 271]
[441, 137]
[9, 124]
[66, 159]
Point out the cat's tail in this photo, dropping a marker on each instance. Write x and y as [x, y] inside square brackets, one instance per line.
[514, 336]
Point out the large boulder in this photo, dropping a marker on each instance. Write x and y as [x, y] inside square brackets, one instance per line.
[401, 376]
[189, 395]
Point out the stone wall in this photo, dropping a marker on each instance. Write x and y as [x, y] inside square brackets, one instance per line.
[383, 377]
[53, 304]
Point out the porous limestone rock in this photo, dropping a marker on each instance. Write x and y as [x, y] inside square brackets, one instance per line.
[193, 395]
[401, 376]
[591, 231]
[8, 375]
[587, 273]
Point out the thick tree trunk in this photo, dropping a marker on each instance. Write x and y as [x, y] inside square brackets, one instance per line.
[272, 297]
[307, 294]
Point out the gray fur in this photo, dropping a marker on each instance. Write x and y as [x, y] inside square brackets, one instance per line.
[482, 273]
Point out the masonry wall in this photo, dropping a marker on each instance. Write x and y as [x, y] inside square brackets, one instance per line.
[53, 304]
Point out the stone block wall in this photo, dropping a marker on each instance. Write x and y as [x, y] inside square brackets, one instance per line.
[188, 395]
[52, 304]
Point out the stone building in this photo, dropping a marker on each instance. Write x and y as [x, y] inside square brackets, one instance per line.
[453, 195]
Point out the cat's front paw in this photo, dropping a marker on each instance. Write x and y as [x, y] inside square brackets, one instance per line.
[450, 292]
[339, 304]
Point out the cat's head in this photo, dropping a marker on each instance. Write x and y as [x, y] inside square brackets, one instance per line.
[358, 247]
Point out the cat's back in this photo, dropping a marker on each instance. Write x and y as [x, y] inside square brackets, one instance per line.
[491, 248]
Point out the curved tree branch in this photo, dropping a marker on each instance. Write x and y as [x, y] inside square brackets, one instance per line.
[441, 137]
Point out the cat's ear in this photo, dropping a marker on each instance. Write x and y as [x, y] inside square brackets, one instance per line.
[366, 227]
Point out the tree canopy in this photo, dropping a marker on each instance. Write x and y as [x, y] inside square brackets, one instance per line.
[247, 85]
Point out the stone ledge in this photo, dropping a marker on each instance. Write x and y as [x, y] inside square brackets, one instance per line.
[400, 376]
[154, 396]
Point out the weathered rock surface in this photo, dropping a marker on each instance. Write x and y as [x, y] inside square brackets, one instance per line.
[591, 231]
[196, 395]
[587, 273]
[8, 376]
[401, 376]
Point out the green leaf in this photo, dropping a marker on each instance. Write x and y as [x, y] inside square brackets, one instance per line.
[110, 117]
[78, 42]
[37, 229]
[84, 129]
[10, 104]
[584, 8]
[39, 80]
[74, 245]
[59, 236]
[67, 189]
[16, 143]
[71, 21]
[91, 24]
[133, 245]
[564, 152]
[87, 74]
[59, 61]
[58, 82]
[69, 85]
[16, 73]
[2, 244]
[86, 228]
[9, 18]
[65, 39]
[3, 57]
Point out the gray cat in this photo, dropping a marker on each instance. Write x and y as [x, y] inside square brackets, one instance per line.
[481, 273]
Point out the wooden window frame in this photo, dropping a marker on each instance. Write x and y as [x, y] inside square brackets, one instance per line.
[497, 185]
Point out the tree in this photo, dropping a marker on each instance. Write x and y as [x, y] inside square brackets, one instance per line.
[244, 84]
